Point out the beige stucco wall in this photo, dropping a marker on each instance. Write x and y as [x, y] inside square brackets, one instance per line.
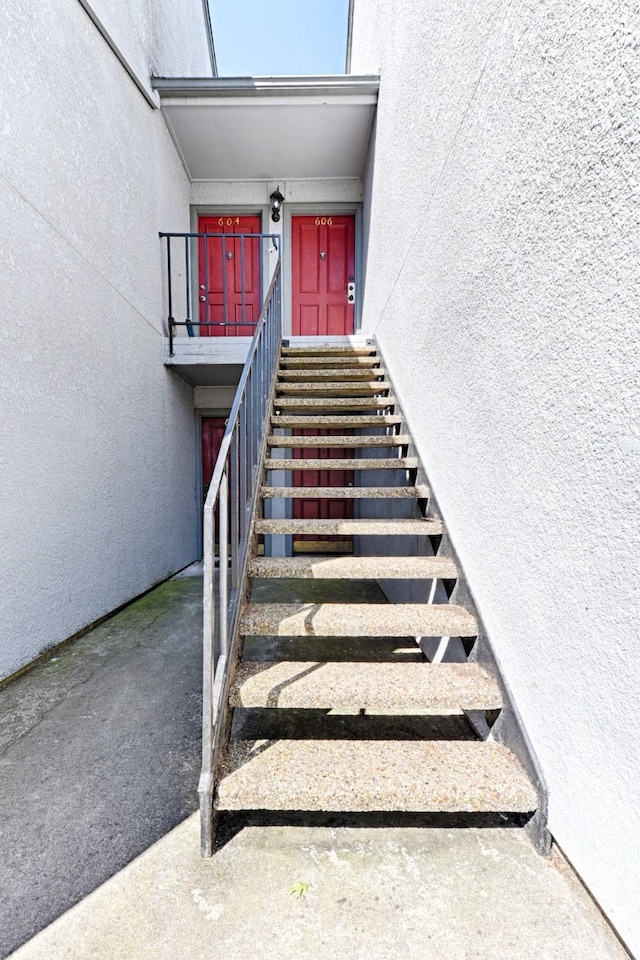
[96, 437]
[502, 282]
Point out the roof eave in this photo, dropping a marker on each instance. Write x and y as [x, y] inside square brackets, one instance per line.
[295, 86]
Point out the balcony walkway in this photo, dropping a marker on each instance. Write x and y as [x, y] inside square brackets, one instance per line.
[100, 765]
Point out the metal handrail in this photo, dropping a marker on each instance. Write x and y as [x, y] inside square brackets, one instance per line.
[199, 303]
[234, 489]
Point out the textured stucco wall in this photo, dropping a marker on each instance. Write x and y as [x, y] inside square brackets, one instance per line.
[158, 37]
[96, 437]
[502, 283]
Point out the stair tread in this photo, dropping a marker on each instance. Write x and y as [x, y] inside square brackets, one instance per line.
[373, 775]
[298, 363]
[366, 686]
[332, 389]
[347, 527]
[354, 568]
[328, 349]
[389, 440]
[357, 620]
[335, 403]
[327, 373]
[347, 493]
[333, 463]
[327, 420]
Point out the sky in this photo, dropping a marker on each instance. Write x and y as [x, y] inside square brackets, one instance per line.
[264, 37]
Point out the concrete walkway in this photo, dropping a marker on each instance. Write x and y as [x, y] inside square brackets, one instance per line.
[101, 759]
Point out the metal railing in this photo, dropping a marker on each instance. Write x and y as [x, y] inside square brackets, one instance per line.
[234, 489]
[215, 281]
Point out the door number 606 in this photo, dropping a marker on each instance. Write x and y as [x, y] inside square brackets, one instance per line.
[324, 221]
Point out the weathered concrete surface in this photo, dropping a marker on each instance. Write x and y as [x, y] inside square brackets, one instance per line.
[373, 894]
[99, 756]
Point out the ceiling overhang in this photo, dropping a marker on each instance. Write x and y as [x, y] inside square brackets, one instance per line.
[270, 128]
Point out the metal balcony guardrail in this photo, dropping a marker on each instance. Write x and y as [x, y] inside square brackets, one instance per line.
[227, 271]
[234, 491]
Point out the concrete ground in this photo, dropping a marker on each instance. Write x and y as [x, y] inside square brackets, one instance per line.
[99, 756]
[99, 763]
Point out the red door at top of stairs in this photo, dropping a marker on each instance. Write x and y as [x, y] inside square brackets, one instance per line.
[323, 259]
[223, 265]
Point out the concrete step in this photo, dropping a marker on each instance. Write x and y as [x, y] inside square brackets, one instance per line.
[354, 568]
[360, 528]
[328, 350]
[331, 374]
[399, 687]
[337, 405]
[347, 493]
[358, 440]
[331, 389]
[373, 775]
[297, 363]
[376, 420]
[357, 620]
[333, 463]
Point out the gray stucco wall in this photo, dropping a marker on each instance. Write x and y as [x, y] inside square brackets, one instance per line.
[502, 283]
[96, 437]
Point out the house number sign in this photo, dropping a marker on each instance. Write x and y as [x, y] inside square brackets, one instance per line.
[228, 221]
[324, 221]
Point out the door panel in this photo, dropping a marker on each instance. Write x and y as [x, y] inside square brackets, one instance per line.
[323, 261]
[213, 429]
[321, 509]
[222, 264]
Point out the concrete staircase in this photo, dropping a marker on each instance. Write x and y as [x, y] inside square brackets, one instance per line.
[336, 707]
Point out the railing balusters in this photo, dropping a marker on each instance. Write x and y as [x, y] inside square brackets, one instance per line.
[234, 490]
[192, 318]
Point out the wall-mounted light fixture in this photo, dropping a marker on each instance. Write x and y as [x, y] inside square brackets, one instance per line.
[276, 204]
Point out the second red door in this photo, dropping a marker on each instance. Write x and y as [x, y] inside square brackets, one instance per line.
[323, 265]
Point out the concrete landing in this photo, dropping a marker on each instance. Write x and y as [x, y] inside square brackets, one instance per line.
[366, 894]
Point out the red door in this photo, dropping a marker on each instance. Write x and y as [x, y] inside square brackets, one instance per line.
[213, 429]
[223, 266]
[323, 264]
[322, 508]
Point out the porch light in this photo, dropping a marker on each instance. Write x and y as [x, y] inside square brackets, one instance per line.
[276, 204]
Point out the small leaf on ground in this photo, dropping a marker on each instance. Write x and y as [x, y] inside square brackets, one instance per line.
[298, 890]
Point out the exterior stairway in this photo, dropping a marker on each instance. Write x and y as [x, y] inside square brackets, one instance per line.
[336, 707]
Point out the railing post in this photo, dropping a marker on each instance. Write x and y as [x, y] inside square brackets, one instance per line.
[205, 786]
[223, 566]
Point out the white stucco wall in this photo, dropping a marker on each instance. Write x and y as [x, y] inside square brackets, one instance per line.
[502, 283]
[96, 437]
[158, 37]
